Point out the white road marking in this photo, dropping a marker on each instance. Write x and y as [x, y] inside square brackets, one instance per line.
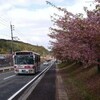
[46, 69]
[9, 77]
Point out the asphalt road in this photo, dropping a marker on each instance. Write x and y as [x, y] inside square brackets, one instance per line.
[46, 89]
[11, 83]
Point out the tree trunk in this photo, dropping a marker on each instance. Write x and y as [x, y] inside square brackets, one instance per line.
[98, 66]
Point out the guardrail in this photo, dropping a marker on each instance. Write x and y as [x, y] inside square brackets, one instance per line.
[3, 69]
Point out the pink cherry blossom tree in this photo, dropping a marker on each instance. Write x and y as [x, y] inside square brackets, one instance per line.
[77, 38]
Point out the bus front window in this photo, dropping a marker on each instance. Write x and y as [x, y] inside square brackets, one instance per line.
[26, 59]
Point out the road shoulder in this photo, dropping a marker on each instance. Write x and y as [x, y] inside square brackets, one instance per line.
[60, 89]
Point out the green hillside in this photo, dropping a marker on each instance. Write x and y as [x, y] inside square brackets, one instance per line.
[5, 47]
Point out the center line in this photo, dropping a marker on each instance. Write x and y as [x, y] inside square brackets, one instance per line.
[9, 77]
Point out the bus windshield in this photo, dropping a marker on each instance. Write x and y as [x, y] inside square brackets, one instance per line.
[24, 59]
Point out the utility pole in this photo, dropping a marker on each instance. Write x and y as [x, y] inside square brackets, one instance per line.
[12, 28]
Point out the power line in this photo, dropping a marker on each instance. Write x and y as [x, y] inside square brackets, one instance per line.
[4, 23]
[5, 20]
[18, 32]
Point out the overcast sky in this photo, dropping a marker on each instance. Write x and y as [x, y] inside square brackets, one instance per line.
[31, 18]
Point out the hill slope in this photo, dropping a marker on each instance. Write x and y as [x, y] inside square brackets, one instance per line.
[5, 47]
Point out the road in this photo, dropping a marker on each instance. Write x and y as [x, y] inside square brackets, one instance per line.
[10, 83]
[46, 89]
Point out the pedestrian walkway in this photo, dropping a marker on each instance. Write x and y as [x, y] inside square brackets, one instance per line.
[60, 90]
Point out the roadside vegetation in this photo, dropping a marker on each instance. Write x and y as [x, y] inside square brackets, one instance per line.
[77, 38]
[77, 45]
[5, 47]
[81, 83]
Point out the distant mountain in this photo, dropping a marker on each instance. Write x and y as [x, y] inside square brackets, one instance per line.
[5, 47]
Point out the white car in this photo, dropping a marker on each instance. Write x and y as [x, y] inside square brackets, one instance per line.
[45, 63]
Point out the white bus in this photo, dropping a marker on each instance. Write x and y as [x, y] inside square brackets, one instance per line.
[26, 62]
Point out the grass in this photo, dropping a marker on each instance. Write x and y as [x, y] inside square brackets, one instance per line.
[64, 64]
[81, 83]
